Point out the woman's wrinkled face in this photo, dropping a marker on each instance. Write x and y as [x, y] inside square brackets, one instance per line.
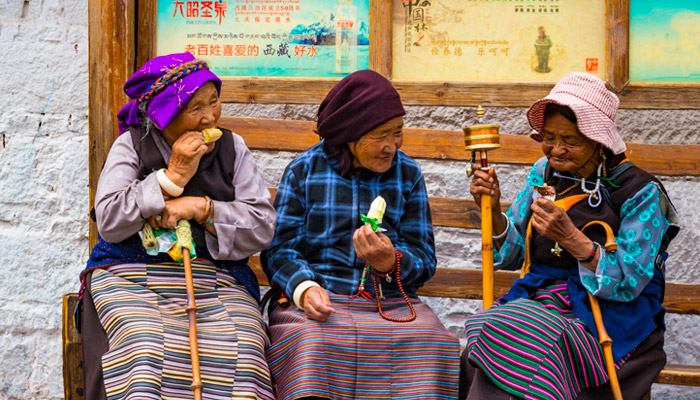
[202, 112]
[375, 150]
[565, 147]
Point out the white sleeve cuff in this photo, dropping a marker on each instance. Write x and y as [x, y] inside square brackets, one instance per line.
[300, 289]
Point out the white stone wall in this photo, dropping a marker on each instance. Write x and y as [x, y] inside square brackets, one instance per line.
[43, 186]
[44, 191]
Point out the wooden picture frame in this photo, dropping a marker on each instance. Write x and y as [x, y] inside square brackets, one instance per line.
[637, 95]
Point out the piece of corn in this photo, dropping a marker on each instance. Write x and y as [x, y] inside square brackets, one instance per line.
[377, 208]
[211, 135]
[148, 239]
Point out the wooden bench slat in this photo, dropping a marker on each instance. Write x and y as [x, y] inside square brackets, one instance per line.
[457, 213]
[72, 351]
[678, 374]
[465, 283]
[292, 135]
[448, 212]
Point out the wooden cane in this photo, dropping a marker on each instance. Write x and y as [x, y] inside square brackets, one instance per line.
[606, 343]
[482, 138]
[184, 242]
[603, 337]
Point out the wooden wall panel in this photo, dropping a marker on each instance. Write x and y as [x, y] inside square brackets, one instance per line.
[111, 62]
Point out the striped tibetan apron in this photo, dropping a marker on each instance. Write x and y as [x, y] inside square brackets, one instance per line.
[142, 310]
[357, 354]
[536, 348]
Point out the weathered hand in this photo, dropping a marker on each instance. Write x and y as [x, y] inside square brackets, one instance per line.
[187, 151]
[485, 182]
[317, 304]
[375, 248]
[552, 221]
[179, 208]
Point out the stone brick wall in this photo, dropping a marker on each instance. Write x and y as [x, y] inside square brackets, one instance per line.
[44, 191]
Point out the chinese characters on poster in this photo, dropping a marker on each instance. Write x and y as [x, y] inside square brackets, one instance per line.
[288, 38]
[498, 40]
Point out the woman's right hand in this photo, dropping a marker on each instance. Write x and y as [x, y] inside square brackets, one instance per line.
[317, 304]
[485, 182]
[186, 153]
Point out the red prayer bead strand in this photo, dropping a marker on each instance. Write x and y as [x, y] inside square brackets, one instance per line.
[397, 270]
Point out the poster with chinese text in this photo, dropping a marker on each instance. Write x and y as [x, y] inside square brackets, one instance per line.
[665, 40]
[498, 40]
[280, 38]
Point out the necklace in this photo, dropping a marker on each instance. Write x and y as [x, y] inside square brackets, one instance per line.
[597, 182]
[567, 190]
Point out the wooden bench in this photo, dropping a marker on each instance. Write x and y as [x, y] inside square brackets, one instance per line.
[458, 283]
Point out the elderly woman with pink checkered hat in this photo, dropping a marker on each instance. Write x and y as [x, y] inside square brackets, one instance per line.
[540, 340]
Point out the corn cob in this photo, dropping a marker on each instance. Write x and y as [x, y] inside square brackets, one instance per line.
[211, 135]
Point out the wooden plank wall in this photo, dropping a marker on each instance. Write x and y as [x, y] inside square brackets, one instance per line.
[290, 135]
[111, 62]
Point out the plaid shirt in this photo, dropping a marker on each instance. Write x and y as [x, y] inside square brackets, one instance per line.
[318, 210]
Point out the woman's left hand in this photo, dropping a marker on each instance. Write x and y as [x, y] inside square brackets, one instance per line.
[187, 207]
[552, 221]
[375, 248]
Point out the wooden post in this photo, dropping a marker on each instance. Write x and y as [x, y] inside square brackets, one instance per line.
[618, 46]
[111, 57]
[380, 43]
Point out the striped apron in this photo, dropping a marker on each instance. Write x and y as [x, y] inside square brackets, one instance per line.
[142, 309]
[357, 354]
[536, 348]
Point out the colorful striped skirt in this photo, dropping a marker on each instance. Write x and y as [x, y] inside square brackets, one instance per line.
[536, 348]
[142, 310]
[357, 354]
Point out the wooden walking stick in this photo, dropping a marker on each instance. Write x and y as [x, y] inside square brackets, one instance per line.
[482, 138]
[603, 338]
[184, 243]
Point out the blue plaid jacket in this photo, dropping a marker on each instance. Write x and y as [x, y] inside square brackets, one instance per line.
[318, 210]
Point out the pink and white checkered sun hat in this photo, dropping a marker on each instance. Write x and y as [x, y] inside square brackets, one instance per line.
[594, 105]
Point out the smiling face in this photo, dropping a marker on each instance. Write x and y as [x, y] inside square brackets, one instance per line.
[566, 148]
[375, 150]
[202, 112]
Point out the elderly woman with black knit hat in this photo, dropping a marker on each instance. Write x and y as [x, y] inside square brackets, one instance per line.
[159, 171]
[540, 340]
[356, 328]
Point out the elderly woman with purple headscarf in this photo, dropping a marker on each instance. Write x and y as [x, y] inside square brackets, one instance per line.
[540, 340]
[356, 328]
[159, 171]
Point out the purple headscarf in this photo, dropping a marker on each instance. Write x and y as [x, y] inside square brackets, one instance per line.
[359, 103]
[165, 104]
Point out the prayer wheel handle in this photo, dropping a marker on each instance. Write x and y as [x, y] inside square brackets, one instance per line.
[482, 138]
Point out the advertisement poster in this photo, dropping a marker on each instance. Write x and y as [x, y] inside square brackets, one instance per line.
[280, 38]
[665, 40]
[498, 40]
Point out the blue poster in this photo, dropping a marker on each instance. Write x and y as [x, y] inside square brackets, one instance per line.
[269, 38]
[664, 40]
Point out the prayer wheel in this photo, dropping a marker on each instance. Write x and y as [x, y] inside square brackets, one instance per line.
[481, 139]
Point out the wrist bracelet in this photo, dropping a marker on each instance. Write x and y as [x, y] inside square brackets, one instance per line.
[211, 210]
[207, 209]
[505, 231]
[397, 264]
[167, 185]
[591, 255]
